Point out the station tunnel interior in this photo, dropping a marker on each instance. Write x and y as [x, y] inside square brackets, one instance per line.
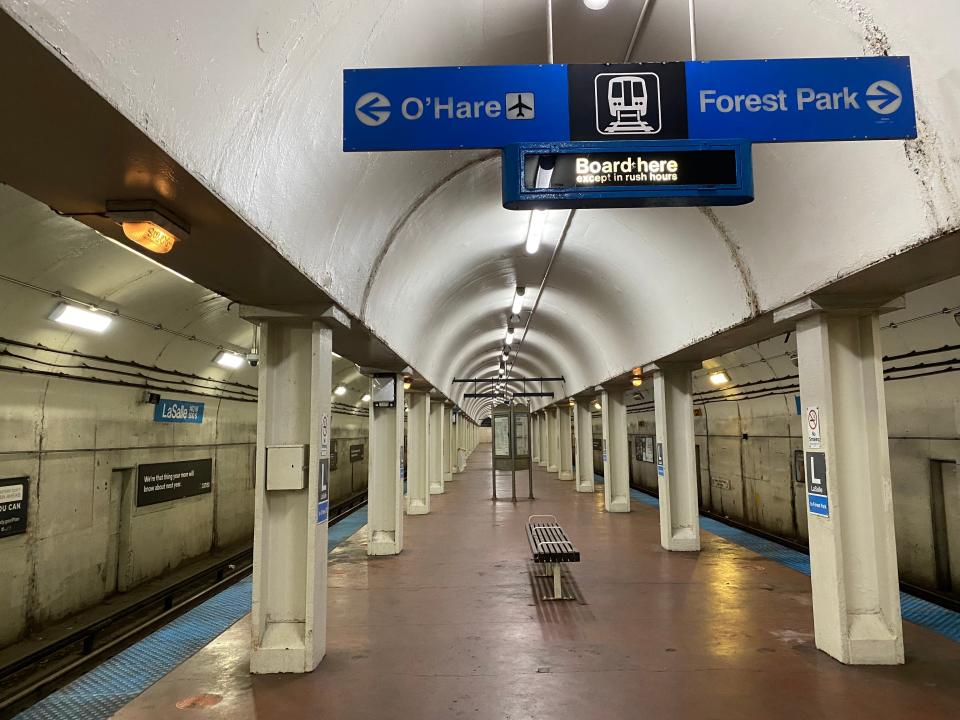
[231, 117]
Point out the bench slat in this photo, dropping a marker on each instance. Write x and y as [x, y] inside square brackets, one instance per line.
[560, 548]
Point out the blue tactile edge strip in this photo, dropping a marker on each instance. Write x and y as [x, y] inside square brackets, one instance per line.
[916, 610]
[103, 691]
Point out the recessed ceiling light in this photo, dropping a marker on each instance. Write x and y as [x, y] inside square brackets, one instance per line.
[596, 4]
[78, 317]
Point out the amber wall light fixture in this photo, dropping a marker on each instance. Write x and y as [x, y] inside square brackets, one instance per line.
[147, 224]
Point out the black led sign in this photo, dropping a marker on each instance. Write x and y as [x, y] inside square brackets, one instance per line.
[627, 174]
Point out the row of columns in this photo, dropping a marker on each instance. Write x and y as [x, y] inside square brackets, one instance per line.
[856, 601]
[288, 617]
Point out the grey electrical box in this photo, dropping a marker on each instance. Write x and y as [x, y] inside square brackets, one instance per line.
[287, 467]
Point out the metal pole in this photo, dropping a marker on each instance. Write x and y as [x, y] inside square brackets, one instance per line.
[550, 31]
[529, 459]
[513, 454]
[693, 30]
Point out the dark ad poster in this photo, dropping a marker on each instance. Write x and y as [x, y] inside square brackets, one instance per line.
[14, 496]
[160, 482]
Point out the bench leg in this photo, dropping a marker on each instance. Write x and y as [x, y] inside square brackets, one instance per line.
[540, 575]
[557, 585]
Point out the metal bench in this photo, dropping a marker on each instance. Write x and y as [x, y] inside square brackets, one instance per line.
[551, 546]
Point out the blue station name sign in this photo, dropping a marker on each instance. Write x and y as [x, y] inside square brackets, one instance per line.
[759, 101]
[178, 411]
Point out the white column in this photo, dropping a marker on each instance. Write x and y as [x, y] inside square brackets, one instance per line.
[616, 468]
[535, 437]
[676, 446]
[289, 613]
[447, 443]
[544, 439]
[565, 443]
[418, 454]
[553, 452]
[385, 485]
[436, 471]
[853, 559]
[583, 429]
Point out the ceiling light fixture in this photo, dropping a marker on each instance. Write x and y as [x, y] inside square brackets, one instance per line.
[597, 405]
[719, 377]
[340, 390]
[518, 300]
[510, 332]
[229, 360]
[535, 230]
[148, 224]
[365, 398]
[596, 4]
[78, 317]
[637, 381]
[407, 383]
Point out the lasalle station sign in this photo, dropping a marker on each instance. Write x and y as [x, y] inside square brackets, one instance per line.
[639, 134]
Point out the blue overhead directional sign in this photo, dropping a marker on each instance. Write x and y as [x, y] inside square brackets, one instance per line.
[453, 107]
[801, 100]
[759, 101]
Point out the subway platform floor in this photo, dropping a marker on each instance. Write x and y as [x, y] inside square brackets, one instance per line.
[455, 627]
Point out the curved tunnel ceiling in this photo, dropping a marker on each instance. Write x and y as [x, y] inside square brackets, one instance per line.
[416, 244]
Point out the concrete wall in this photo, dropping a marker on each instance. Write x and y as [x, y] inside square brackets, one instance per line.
[80, 444]
[747, 465]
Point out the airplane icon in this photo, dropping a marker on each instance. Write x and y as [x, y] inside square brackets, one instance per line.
[520, 106]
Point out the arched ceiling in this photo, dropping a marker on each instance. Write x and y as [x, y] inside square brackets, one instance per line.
[416, 245]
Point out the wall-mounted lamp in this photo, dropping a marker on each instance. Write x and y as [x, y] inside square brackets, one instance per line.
[148, 224]
[407, 383]
[719, 377]
[78, 317]
[228, 360]
[597, 406]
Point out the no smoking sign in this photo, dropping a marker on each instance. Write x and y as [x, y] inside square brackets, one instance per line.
[813, 428]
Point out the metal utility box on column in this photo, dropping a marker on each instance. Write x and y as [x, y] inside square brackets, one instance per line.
[511, 445]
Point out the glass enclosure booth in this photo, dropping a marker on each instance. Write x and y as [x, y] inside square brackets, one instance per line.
[511, 445]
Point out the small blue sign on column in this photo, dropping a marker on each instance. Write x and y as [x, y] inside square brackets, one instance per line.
[178, 411]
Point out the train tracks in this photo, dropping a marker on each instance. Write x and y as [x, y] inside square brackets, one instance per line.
[34, 675]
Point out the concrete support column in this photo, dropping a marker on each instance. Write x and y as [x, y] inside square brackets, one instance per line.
[418, 454]
[385, 485]
[447, 443]
[583, 430]
[676, 457]
[553, 440]
[616, 452]
[535, 437]
[435, 469]
[544, 426]
[853, 558]
[565, 444]
[289, 613]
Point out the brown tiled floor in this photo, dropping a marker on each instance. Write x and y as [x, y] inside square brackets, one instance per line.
[454, 628]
